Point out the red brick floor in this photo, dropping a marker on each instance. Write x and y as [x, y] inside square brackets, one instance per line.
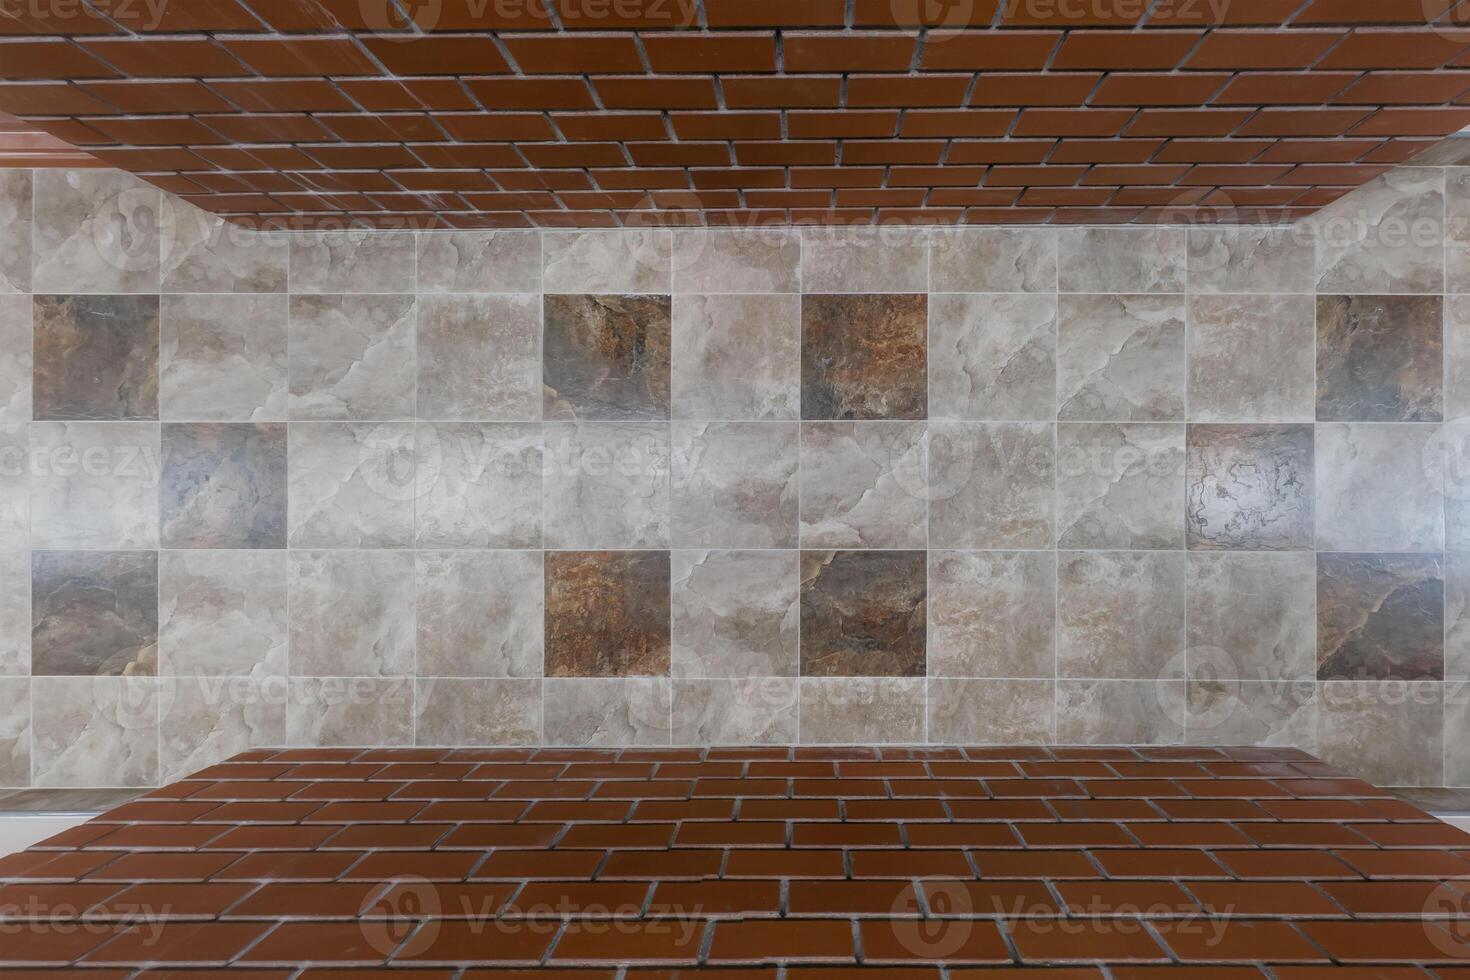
[963, 864]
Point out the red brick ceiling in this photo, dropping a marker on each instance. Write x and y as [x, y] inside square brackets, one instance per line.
[608, 112]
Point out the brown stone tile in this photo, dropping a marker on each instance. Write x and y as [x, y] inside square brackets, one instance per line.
[94, 613]
[96, 357]
[607, 613]
[1379, 358]
[224, 486]
[1380, 617]
[863, 613]
[863, 357]
[606, 357]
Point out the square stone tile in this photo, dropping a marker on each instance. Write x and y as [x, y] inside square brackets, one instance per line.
[863, 613]
[479, 262]
[1456, 358]
[94, 613]
[966, 711]
[993, 260]
[15, 731]
[992, 614]
[606, 357]
[887, 259]
[991, 484]
[15, 358]
[1226, 712]
[994, 356]
[477, 711]
[479, 485]
[1385, 237]
[94, 485]
[736, 357]
[1457, 742]
[1380, 358]
[479, 613]
[863, 484]
[757, 260]
[1457, 616]
[203, 722]
[350, 711]
[352, 262]
[607, 613]
[224, 485]
[735, 613]
[94, 731]
[864, 356]
[206, 254]
[1121, 260]
[96, 357]
[609, 711]
[351, 613]
[15, 231]
[352, 357]
[1377, 490]
[734, 484]
[1250, 358]
[1252, 616]
[634, 260]
[867, 710]
[1120, 358]
[479, 357]
[1120, 712]
[222, 614]
[1250, 487]
[607, 485]
[96, 231]
[735, 711]
[1380, 617]
[15, 613]
[1244, 259]
[1387, 732]
[1120, 485]
[15, 486]
[351, 485]
[1120, 614]
[223, 359]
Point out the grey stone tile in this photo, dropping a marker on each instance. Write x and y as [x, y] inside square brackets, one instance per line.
[477, 711]
[607, 711]
[224, 486]
[479, 485]
[1380, 617]
[607, 485]
[96, 357]
[1457, 357]
[736, 357]
[1252, 616]
[15, 486]
[992, 712]
[1380, 358]
[15, 231]
[863, 484]
[94, 485]
[95, 731]
[991, 484]
[1250, 487]
[863, 613]
[1120, 485]
[96, 231]
[351, 613]
[993, 260]
[1243, 259]
[1457, 229]
[223, 359]
[1387, 732]
[1385, 237]
[351, 485]
[15, 358]
[993, 356]
[1375, 490]
[1250, 359]
[479, 357]
[1120, 358]
[222, 614]
[734, 484]
[862, 710]
[353, 262]
[479, 613]
[1121, 260]
[607, 613]
[623, 261]
[864, 356]
[350, 711]
[352, 357]
[94, 613]
[1227, 712]
[15, 731]
[1120, 614]
[735, 711]
[758, 260]
[735, 613]
[15, 613]
[606, 357]
[204, 722]
[1457, 741]
[1120, 712]
[206, 254]
[889, 259]
[479, 262]
[992, 614]
[1457, 616]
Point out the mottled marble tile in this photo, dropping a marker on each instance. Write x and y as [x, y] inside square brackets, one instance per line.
[888, 259]
[993, 356]
[207, 254]
[735, 711]
[478, 613]
[479, 485]
[1387, 732]
[1457, 230]
[756, 260]
[1384, 237]
[992, 712]
[94, 731]
[1250, 487]
[224, 486]
[864, 356]
[1120, 358]
[1250, 358]
[1456, 740]
[1379, 358]
[15, 613]
[838, 710]
[624, 261]
[477, 711]
[1377, 490]
[15, 358]
[352, 357]
[15, 731]
[735, 613]
[993, 260]
[1252, 616]
[1245, 259]
[1445, 461]
[863, 613]
[350, 711]
[736, 357]
[607, 613]
[223, 359]
[992, 614]
[607, 485]
[96, 357]
[1121, 260]
[1228, 712]
[15, 486]
[353, 262]
[734, 484]
[1120, 486]
[351, 613]
[222, 613]
[479, 262]
[1120, 712]
[96, 231]
[607, 711]
[94, 613]
[15, 231]
[1120, 614]
[206, 720]
[1380, 617]
[606, 357]
[863, 484]
[991, 484]
[1456, 360]
[94, 484]
[351, 485]
[479, 357]
[1457, 616]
